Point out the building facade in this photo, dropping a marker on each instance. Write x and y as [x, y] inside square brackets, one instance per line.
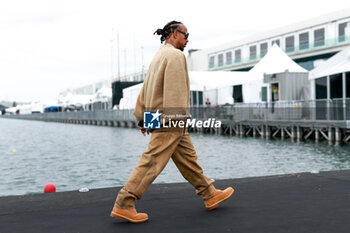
[308, 43]
[137, 76]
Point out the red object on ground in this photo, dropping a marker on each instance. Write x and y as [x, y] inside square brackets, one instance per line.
[49, 188]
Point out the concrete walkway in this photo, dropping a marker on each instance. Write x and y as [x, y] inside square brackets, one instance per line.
[290, 203]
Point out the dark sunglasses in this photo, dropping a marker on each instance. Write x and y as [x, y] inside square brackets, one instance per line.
[185, 33]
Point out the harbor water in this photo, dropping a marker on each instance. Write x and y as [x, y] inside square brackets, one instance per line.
[34, 153]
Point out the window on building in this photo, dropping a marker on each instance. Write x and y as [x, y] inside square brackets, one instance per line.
[252, 52]
[263, 93]
[221, 59]
[289, 44]
[304, 40]
[341, 31]
[276, 42]
[200, 98]
[211, 61]
[347, 81]
[263, 49]
[237, 94]
[308, 65]
[229, 58]
[238, 57]
[194, 98]
[336, 86]
[319, 37]
[321, 88]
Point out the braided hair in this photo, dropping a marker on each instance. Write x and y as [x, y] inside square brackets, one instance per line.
[167, 30]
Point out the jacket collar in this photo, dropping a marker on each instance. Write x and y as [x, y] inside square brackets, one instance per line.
[169, 45]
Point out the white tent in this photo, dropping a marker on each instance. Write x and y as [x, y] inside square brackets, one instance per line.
[22, 109]
[217, 86]
[207, 80]
[74, 99]
[339, 63]
[37, 107]
[104, 91]
[130, 95]
[11, 110]
[102, 99]
[275, 61]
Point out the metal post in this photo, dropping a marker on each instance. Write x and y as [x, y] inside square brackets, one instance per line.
[298, 133]
[241, 133]
[267, 131]
[293, 132]
[330, 134]
[344, 96]
[337, 135]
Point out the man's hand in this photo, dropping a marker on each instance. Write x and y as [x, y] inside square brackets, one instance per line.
[143, 131]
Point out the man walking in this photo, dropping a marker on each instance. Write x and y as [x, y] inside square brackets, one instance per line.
[166, 88]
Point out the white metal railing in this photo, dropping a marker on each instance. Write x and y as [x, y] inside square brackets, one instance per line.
[336, 109]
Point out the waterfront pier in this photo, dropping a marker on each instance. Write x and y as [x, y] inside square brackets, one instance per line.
[271, 121]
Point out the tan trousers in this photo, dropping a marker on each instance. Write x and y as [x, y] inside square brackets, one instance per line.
[163, 145]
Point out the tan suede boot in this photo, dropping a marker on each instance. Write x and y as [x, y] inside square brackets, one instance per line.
[218, 197]
[129, 214]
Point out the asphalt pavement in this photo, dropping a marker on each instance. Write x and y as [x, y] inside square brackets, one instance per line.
[295, 203]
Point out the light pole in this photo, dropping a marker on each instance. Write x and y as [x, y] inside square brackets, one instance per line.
[118, 56]
[143, 66]
[125, 63]
[112, 60]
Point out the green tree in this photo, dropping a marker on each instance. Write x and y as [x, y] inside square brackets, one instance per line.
[14, 104]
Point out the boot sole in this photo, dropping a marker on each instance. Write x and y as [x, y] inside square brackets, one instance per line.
[120, 216]
[216, 204]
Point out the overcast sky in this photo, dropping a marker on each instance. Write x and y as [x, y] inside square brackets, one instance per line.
[48, 46]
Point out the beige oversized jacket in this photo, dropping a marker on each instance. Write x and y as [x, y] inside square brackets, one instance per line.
[166, 86]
